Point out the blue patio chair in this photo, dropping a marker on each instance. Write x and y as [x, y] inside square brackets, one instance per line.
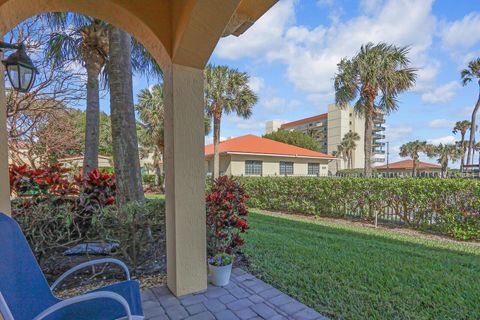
[25, 294]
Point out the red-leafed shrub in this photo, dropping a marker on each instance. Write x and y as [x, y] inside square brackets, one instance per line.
[49, 180]
[225, 205]
[97, 189]
[48, 189]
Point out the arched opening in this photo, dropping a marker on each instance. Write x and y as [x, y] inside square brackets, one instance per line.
[181, 36]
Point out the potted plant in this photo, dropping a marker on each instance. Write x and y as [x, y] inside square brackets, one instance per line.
[226, 209]
[220, 268]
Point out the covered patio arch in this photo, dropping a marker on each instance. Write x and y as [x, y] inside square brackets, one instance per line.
[181, 35]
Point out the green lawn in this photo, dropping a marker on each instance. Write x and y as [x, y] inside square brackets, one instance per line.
[155, 196]
[353, 272]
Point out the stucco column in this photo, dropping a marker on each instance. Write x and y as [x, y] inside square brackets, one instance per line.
[4, 176]
[185, 180]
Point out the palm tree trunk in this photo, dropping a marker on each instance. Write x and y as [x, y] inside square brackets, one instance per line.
[156, 164]
[92, 127]
[368, 139]
[124, 132]
[462, 146]
[414, 167]
[216, 143]
[473, 128]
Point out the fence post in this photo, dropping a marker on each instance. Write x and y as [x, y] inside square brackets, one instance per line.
[376, 219]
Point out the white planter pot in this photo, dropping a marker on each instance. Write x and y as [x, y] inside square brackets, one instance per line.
[220, 276]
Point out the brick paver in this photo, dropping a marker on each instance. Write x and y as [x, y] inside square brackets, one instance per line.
[246, 298]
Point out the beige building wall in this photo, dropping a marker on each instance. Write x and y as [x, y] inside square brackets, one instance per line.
[224, 165]
[271, 165]
[338, 126]
[357, 124]
[272, 126]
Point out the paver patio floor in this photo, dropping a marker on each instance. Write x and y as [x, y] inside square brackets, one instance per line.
[246, 297]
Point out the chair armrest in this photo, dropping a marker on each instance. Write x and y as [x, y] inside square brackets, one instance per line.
[88, 264]
[86, 297]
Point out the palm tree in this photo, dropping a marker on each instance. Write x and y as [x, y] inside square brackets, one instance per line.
[124, 132]
[472, 72]
[85, 39]
[462, 127]
[349, 143]
[151, 113]
[226, 91]
[342, 152]
[86, 43]
[380, 69]
[412, 149]
[444, 154]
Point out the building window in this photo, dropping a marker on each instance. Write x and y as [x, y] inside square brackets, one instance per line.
[253, 168]
[286, 168]
[313, 169]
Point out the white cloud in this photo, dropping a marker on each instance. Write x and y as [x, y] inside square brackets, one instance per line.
[256, 84]
[311, 54]
[251, 125]
[279, 105]
[371, 6]
[397, 132]
[441, 123]
[462, 34]
[441, 94]
[445, 140]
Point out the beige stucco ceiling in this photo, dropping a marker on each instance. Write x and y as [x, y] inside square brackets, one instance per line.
[179, 31]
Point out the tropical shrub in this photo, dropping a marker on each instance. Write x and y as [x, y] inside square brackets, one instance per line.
[49, 180]
[53, 211]
[138, 228]
[451, 206]
[225, 207]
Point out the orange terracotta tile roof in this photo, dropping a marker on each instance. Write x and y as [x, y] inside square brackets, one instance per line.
[306, 120]
[256, 145]
[408, 164]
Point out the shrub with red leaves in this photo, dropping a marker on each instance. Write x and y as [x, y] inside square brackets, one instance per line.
[49, 180]
[97, 187]
[50, 183]
[225, 209]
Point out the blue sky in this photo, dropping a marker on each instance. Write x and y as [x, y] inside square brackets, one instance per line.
[292, 51]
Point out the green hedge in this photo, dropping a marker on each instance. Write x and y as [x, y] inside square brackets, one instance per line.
[450, 206]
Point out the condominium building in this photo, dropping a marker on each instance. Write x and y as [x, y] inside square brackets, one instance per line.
[330, 128]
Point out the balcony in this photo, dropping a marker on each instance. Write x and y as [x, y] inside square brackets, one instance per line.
[378, 127]
[378, 151]
[377, 136]
[379, 120]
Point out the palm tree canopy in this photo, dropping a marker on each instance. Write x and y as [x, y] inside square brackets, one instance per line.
[462, 127]
[228, 89]
[445, 152]
[151, 112]
[471, 73]
[380, 71]
[77, 35]
[350, 139]
[412, 149]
